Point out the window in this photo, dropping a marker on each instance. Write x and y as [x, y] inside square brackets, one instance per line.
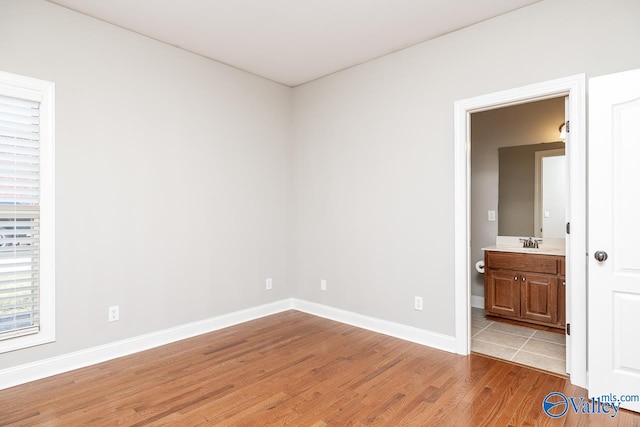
[27, 279]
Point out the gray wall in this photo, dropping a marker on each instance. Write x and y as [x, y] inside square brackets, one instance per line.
[182, 184]
[373, 154]
[172, 178]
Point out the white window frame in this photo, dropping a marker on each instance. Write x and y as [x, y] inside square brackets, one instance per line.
[44, 92]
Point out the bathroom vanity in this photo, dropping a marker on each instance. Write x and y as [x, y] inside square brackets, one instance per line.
[525, 284]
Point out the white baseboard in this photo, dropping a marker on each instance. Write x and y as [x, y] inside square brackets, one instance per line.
[67, 362]
[477, 302]
[79, 359]
[397, 330]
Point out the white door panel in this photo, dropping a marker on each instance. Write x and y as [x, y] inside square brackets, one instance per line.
[626, 174]
[614, 228]
[626, 319]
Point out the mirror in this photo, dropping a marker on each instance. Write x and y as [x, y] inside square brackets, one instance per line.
[532, 190]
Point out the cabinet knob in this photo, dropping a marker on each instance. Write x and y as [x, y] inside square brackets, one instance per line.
[523, 279]
[515, 277]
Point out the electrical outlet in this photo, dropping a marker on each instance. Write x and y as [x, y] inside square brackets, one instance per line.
[269, 284]
[417, 304]
[323, 285]
[114, 313]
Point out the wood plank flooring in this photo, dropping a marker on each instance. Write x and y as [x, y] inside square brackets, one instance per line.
[295, 369]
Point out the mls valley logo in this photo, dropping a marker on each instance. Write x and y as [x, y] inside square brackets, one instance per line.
[556, 405]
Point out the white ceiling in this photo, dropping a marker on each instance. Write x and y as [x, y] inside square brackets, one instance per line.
[293, 41]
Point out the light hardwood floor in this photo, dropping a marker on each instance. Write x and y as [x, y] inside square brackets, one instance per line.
[296, 369]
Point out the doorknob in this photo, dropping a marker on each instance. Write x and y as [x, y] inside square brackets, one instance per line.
[601, 256]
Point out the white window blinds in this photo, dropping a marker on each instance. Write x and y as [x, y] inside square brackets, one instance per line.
[19, 216]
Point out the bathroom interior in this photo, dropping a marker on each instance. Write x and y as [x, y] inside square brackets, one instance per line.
[518, 222]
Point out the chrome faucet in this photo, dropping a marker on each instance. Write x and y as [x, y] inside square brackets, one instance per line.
[530, 242]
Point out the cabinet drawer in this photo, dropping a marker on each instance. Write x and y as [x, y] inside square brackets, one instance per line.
[547, 264]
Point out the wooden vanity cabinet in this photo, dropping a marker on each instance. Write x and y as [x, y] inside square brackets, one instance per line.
[525, 287]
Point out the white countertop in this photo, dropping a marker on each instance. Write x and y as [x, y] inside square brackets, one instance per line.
[547, 246]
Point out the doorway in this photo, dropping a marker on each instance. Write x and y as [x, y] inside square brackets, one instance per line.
[516, 192]
[574, 89]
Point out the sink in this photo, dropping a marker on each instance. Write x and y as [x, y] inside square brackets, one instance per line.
[549, 246]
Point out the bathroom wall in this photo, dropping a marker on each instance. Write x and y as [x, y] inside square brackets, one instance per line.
[524, 124]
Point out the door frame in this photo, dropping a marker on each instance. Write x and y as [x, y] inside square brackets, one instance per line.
[576, 275]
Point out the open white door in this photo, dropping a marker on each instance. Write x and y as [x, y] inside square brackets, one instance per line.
[614, 236]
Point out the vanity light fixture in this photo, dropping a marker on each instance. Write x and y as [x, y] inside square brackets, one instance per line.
[563, 131]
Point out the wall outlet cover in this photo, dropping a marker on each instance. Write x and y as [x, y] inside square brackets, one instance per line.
[114, 313]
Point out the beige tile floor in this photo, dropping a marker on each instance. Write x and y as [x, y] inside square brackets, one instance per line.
[531, 347]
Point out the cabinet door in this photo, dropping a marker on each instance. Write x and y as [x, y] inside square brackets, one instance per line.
[502, 292]
[539, 298]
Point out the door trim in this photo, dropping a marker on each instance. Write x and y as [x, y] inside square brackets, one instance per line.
[574, 88]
